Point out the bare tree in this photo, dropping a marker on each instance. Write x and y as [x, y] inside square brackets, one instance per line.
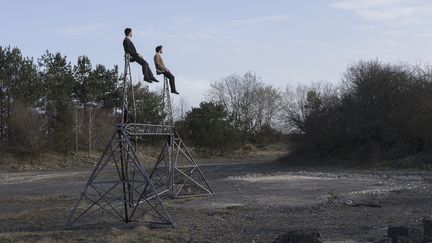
[180, 108]
[94, 128]
[299, 104]
[251, 104]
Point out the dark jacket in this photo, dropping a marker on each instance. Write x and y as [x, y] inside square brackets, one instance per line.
[130, 48]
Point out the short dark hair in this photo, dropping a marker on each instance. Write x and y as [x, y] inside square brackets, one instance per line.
[158, 48]
[127, 31]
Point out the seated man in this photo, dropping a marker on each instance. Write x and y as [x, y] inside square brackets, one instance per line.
[161, 69]
[129, 48]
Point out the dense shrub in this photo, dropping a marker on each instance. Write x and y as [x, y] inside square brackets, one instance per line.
[380, 110]
[26, 135]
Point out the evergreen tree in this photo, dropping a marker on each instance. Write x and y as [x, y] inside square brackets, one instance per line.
[148, 105]
[58, 82]
[18, 83]
[208, 127]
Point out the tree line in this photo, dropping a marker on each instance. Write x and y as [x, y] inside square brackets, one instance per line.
[50, 104]
[379, 109]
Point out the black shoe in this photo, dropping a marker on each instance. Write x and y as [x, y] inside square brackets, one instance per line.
[155, 80]
[174, 92]
[148, 80]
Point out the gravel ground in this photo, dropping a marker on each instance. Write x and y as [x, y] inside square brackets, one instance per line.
[253, 201]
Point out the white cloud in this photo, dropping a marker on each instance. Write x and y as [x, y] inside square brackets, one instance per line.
[363, 4]
[396, 12]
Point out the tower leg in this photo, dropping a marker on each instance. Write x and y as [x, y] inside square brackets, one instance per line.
[180, 173]
[111, 189]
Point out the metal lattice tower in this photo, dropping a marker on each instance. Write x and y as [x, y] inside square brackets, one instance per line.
[119, 187]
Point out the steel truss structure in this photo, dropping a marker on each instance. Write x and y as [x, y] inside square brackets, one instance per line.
[124, 193]
[120, 188]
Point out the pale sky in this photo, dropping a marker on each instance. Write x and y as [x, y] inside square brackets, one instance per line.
[282, 41]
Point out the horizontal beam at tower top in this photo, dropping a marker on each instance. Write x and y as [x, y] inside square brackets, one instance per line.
[140, 129]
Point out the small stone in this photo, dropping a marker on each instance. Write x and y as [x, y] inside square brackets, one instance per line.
[299, 236]
[427, 229]
[394, 232]
[415, 235]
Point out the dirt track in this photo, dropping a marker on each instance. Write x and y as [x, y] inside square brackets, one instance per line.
[253, 201]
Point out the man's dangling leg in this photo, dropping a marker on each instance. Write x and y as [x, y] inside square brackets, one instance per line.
[171, 79]
[148, 75]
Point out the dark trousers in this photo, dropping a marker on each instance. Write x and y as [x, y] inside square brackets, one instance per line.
[171, 79]
[148, 75]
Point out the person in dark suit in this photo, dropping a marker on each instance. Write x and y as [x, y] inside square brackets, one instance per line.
[129, 48]
[161, 69]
